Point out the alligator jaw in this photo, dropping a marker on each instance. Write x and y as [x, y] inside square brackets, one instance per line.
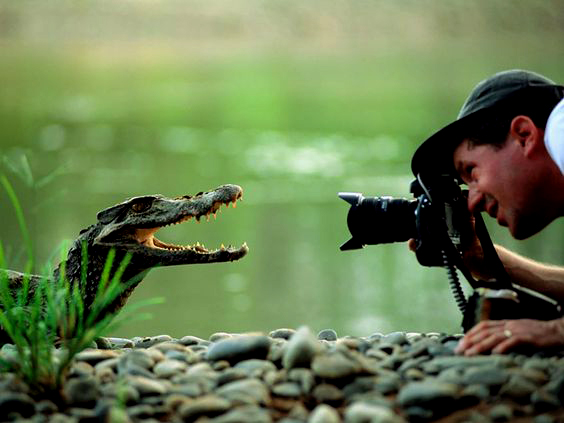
[136, 232]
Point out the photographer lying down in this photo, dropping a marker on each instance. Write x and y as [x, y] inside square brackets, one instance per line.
[507, 146]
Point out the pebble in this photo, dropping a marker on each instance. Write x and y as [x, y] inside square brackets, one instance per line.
[239, 348]
[327, 335]
[324, 414]
[300, 349]
[293, 376]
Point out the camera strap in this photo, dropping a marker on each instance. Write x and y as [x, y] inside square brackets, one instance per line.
[490, 254]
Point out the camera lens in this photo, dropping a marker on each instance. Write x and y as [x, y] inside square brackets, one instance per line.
[379, 220]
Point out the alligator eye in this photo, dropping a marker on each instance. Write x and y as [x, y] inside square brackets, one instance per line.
[140, 207]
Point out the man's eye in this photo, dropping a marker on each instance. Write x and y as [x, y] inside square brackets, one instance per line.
[468, 170]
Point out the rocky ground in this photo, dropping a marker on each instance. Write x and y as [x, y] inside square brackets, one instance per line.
[294, 376]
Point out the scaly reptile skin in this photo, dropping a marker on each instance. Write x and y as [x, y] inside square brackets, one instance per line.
[129, 228]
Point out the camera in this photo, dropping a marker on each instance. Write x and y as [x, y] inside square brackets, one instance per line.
[438, 211]
[440, 223]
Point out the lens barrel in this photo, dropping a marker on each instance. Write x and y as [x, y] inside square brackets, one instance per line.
[378, 220]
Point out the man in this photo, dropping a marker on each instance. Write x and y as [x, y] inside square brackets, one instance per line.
[507, 146]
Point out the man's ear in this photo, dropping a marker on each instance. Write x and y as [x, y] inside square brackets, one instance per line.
[524, 131]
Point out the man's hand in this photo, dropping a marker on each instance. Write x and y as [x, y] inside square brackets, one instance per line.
[501, 336]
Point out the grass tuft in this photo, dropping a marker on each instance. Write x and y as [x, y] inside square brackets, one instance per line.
[47, 321]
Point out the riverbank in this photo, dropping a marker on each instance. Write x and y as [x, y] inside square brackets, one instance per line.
[293, 376]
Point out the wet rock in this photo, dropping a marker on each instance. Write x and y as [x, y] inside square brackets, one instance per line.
[501, 413]
[244, 414]
[304, 377]
[283, 333]
[150, 341]
[334, 366]
[246, 391]
[146, 386]
[287, 389]
[103, 344]
[239, 348]
[116, 343]
[327, 335]
[93, 357]
[518, 388]
[430, 394]
[492, 376]
[300, 349]
[81, 391]
[324, 413]
[255, 367]
[168, 368]
[219, 336]
[327, 393]
[395, 338]
[362, 412]
[189, 340]
[209, 406]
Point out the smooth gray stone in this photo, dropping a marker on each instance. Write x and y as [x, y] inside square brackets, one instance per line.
[239, 348]
[441, 363]
[473, 394]
[150, 341]
[334, 366]
[93, 357]
[169, 367]
[361, 412]
[255, 366]
[103, 343]
[324, 413]
[427, 394]
[219, 336]
[327, 335]
[135, 358]
[395, 338]
[485, 375]
[81, 391]
[327, 393]
[120, 342]
[300, 349]
[208, 405]
[245, 391]
[282, 333]
[501, 413]
[146, 386]
[305, 378]
[190, 340]
[287, 389]
[244, 414]
[518, 388]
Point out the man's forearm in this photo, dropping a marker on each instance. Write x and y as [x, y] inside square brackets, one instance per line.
[543, 278]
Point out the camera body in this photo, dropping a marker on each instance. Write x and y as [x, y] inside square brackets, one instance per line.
[440, 223]
[439, 209]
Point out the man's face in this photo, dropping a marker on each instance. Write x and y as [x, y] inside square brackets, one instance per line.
[501, 183]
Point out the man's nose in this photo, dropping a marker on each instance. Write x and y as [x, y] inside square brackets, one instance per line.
[475, 200]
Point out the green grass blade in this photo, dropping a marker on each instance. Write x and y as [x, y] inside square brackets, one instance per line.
[19, 215]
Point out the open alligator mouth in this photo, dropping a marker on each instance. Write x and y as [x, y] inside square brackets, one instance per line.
[132, 225]
[146, 237]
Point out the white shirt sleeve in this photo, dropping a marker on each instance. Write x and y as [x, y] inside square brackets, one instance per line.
[554, 135]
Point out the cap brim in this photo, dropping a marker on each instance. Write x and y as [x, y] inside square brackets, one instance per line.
[434, 155]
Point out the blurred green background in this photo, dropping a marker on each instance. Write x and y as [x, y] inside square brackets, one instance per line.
[293, 100]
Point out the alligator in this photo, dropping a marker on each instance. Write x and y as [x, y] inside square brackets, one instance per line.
[129, 229]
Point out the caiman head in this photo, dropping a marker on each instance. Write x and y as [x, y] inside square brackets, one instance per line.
[132, 225]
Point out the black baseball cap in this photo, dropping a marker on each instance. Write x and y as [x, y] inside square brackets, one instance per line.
[502, 92]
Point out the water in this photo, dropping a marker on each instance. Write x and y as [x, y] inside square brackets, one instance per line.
[293, 102]
[290, 217]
